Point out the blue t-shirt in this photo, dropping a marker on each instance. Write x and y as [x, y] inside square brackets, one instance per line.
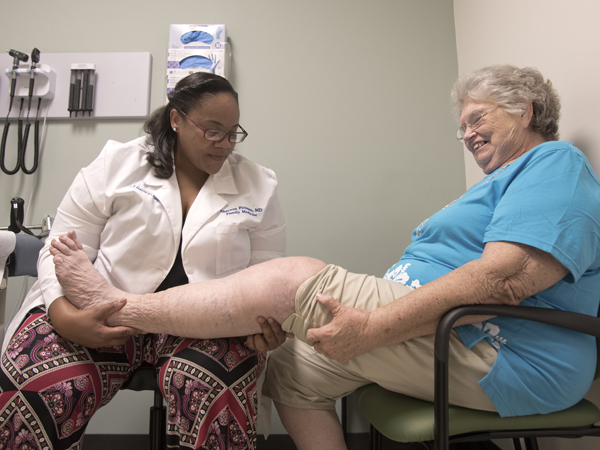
[549, 198]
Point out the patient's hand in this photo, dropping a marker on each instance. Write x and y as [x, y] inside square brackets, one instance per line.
[272, 336]
[341, 339]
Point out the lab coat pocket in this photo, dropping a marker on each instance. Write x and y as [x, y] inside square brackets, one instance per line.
[233, 247]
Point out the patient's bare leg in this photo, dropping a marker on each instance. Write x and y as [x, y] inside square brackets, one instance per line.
[217, 308]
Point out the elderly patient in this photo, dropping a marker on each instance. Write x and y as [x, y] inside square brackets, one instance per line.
[527, 234]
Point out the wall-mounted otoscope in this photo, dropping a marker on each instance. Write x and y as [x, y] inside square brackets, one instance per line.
[35, 59]
[18, 57]
[32, 81]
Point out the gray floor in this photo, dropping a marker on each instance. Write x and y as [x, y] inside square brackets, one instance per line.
[356, 441]
[141, 442]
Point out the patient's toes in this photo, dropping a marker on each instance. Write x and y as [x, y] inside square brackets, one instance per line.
[68, 242]
[72, 235]
[60, 247]
[54, 243]
[60, 268]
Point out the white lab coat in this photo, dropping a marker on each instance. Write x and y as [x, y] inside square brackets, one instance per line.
[130, 223]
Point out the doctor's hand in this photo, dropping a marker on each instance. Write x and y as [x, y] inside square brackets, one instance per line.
[272, 336]
[344, 337]
[87, 327]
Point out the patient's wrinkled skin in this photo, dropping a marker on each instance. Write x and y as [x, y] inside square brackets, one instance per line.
[82, 284]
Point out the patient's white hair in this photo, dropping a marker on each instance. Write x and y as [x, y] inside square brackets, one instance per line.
[512, 88]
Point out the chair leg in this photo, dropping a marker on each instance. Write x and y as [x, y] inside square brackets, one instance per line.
[375, 441]
[517, 444]
[345, 419]
[531, 443]
[158, 423]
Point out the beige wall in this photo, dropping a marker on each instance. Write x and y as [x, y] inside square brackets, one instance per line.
[560, 38]
[347, 100]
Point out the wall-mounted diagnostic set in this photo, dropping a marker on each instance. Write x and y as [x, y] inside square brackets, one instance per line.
[32, 83]
[67, 86]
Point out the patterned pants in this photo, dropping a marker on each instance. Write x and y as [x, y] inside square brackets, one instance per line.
[51, 387]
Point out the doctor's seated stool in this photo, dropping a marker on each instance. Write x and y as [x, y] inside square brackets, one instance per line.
[23, 261]
[144, 378]
[402, 418]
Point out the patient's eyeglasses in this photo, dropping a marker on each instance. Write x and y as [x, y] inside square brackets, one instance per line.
[474, 121]
[218, 136]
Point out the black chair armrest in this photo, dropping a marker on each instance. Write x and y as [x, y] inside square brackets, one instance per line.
[565, 319]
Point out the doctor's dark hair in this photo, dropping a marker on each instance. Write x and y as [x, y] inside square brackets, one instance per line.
[512, 88]
[187, 94]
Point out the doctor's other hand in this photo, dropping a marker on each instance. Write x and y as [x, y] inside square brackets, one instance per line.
[87, 327]
[343, 338]
[272, 336]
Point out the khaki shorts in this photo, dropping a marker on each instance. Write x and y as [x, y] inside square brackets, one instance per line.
[298, 376]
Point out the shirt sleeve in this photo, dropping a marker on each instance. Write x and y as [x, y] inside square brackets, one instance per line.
[551, 204]
[268, 241]
[77, 211]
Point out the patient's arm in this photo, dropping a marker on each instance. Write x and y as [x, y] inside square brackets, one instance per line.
[506, 273]
[216, 308]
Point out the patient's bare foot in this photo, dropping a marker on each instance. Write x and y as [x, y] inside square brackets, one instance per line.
[82, 284]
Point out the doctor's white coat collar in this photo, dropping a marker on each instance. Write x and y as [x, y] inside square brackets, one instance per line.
[223, 181]
[208, 202]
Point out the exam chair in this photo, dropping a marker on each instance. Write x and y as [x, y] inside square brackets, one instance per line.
[402, 418]
[23, 261]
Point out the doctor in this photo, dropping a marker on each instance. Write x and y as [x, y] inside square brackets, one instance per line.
[170, 208]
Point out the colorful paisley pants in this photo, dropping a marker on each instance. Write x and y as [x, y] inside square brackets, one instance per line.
[51, 387]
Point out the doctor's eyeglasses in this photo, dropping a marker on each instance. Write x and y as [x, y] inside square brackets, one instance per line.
[218, 136]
